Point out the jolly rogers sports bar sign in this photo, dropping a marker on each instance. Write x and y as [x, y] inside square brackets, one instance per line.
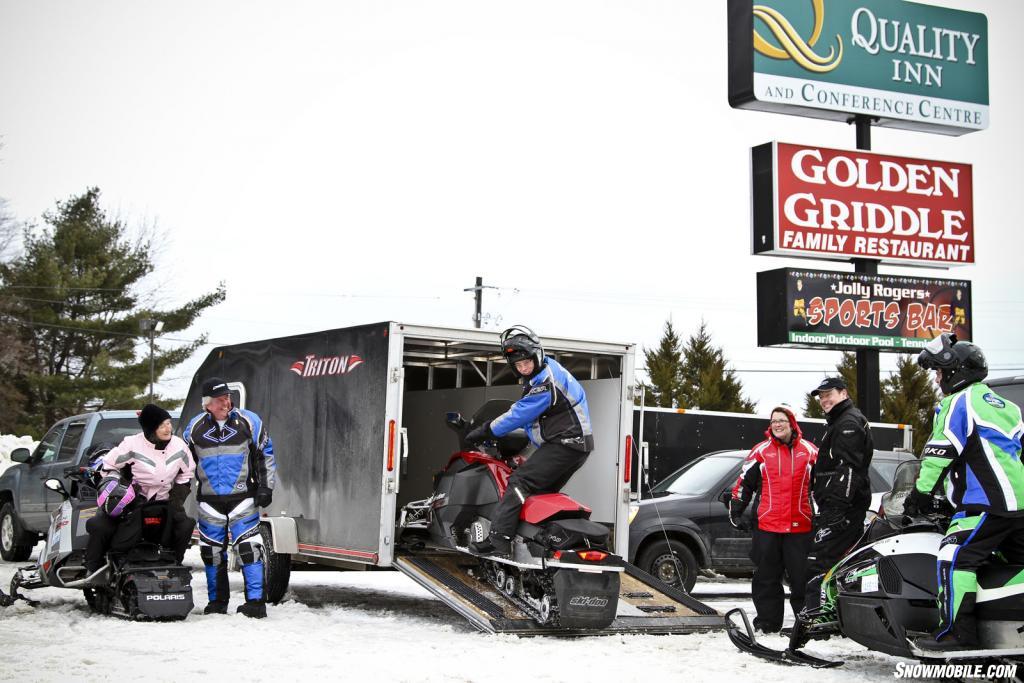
[835, 204]
[909, 65]
[821, 309]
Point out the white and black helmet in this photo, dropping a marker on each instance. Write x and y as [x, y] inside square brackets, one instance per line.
[521, 343]
[962, 363]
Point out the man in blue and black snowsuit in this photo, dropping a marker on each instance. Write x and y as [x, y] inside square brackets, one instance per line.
[553, 410]
[235, 469]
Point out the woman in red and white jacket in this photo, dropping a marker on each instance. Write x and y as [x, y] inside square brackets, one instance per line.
[779, 470]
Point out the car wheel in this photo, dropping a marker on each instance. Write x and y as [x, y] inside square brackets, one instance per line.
[277, 569]
[671, 562]
[15, 545]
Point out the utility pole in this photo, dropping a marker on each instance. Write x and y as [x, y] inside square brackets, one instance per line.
[478, 290]
[150, 327]
[869, 392]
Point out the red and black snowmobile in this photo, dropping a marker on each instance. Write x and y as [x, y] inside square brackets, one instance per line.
[560, 571]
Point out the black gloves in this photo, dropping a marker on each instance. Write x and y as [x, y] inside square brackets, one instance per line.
[263, 496]
[178, 496]
[480, 434]
[736, 508]
[917, 503]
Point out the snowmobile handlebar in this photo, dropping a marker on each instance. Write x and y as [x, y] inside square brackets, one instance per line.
[82, 474]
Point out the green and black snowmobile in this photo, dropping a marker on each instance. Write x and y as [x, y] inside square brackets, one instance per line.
[883, 594]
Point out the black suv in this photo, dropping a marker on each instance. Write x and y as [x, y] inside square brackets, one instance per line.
[685, 520]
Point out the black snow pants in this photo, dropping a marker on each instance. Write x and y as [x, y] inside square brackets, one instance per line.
[829, 543]
[123, 533]
[546, 471]
[773, 553]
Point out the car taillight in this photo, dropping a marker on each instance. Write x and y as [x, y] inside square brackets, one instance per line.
[592, 555]
[557, 555]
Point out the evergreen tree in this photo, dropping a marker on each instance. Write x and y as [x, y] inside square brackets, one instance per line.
[847, 369]
[706, 381]
[909, 397]
[73, 298]
[663, 366]
[12, 350]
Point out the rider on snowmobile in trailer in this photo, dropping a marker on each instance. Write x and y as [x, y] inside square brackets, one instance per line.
[553, 410]
[975, 452]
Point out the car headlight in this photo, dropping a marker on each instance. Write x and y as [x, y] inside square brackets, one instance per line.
[633, 509]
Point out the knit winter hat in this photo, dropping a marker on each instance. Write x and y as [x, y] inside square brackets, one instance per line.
[152, 416]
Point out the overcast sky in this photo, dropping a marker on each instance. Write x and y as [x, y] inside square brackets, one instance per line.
[339, 163]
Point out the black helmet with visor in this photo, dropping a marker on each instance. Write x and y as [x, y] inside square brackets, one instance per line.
[962, 363]
[520, 343]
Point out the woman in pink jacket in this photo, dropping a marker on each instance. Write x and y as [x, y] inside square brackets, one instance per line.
[151, 466]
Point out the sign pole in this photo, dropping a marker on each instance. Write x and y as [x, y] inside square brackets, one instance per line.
[869, 390]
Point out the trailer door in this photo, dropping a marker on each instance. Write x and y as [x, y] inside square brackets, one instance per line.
[322, 397]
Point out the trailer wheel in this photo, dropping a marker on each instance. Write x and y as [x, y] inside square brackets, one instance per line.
[277, 569]
[15, 544]
[671, 562]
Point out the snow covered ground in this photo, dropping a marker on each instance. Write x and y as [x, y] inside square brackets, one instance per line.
[378, 626]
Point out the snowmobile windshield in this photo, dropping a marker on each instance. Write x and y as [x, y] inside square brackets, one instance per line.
[902, 484]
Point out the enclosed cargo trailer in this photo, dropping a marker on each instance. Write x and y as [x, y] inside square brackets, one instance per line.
[357, 418]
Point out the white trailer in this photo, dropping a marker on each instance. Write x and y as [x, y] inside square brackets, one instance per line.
[357, 419]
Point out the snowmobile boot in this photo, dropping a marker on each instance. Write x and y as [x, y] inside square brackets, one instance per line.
[254, 609]
[765, 627]
[494, 544]
[947, 644]
[963, 636]
[216, 607]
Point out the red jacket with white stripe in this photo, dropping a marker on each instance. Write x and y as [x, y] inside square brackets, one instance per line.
[782, 473]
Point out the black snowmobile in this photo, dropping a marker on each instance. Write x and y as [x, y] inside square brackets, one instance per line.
[883, 594]
[143, 583]
[561, 570]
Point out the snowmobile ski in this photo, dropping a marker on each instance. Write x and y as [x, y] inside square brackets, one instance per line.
[746, 642]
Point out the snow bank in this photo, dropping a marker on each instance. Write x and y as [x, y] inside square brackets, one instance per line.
[8, 442]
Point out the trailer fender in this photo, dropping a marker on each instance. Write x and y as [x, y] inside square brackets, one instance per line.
[283, 534]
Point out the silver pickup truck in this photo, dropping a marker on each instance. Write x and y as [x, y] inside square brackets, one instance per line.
[25, 504]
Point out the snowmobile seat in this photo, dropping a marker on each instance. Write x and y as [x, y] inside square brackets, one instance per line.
[152, 544]
[997, 575]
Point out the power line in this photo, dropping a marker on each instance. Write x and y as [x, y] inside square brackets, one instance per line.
[76, 289]
[109, 333]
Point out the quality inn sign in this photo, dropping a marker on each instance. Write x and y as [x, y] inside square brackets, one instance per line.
[909, 65]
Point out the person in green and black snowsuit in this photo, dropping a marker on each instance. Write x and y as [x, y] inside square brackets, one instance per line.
[974, 454]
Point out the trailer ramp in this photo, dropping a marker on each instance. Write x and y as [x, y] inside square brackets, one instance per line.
[646, 605]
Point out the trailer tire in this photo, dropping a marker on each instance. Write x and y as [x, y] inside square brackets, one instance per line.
[671, 562]
[15, 544]
[277, 568]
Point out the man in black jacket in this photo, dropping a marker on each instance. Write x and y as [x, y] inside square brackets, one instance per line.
[841, 489]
